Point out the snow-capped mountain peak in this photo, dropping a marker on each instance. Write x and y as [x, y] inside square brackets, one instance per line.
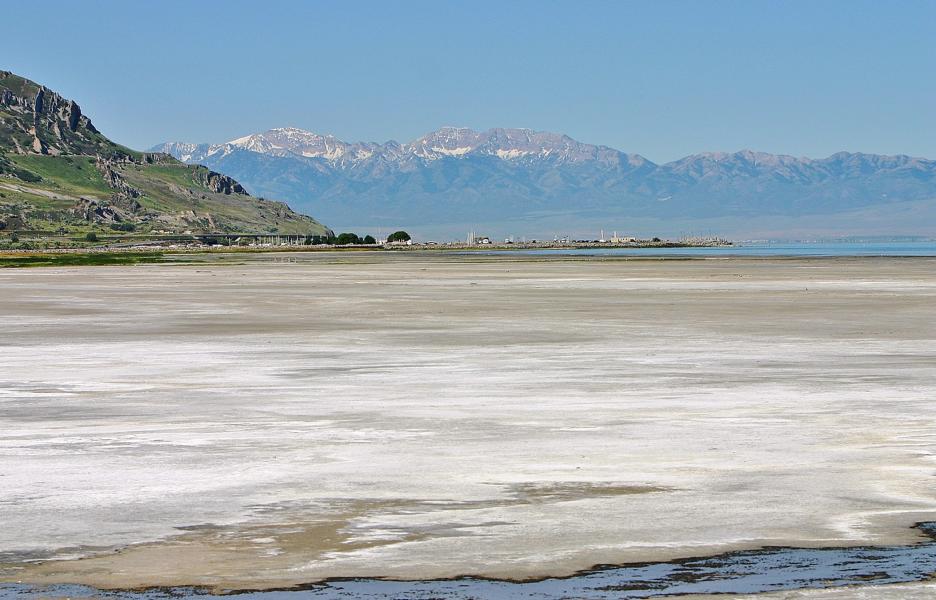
[446, 142]
[291, 140]
[463, 176]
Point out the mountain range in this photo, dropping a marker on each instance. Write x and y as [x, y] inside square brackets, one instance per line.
[504, 181]
[60, 176]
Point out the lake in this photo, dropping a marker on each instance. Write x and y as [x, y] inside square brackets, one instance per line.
[754, 249]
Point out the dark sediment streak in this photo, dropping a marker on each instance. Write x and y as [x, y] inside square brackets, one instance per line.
[765, 570]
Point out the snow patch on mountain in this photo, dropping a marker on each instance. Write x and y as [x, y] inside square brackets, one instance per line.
[516, 153]
[446, 142]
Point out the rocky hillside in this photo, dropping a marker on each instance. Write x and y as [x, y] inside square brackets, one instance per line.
[532, 182]
[59, 174]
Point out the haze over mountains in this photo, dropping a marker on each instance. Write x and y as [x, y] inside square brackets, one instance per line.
[525, 182]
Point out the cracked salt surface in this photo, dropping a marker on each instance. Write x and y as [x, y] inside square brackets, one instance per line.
[380, 416]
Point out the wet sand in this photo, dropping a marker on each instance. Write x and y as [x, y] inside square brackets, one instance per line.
[273, 423]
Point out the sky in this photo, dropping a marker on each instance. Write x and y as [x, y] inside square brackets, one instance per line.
[659, 78]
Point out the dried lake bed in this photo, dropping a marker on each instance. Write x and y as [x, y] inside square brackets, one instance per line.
[259, 422]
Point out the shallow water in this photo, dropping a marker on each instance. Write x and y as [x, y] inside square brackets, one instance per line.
[767, 570]
[748, 249]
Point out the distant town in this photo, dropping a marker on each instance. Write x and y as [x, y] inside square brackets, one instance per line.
[398, 240]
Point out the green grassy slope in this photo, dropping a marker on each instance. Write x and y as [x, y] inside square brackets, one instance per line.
[58, 174]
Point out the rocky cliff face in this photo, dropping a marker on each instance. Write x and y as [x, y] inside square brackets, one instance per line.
[221, 184]
[124, 193]
[39, 121]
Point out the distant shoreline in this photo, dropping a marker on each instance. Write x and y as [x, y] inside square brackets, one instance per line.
[195, 245]
[157, 253]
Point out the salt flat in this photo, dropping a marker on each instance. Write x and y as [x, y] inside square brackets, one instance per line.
[282, 421]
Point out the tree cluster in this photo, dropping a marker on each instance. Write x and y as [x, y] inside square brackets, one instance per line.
[342, 239]
[398, 236]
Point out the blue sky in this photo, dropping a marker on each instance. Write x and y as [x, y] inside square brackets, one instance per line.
[664, 78]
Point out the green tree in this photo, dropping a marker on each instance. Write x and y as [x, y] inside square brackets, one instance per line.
[399, 236]
[346, 238]
[369, 239]
[90, 237]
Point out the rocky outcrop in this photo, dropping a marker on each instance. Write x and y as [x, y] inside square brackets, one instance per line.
[39, 147]
[95, 211]
[220, 184]
[73, 114]
[37, 106]
[53, 124]
[11, 222]
[158, 158]
[125, 195]
[113, 179]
